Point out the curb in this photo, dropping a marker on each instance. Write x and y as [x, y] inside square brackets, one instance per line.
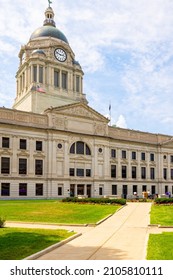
[51, 248]
[159, 226]
[46, 224]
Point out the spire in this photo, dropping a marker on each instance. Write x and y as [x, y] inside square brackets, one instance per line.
[49, 16]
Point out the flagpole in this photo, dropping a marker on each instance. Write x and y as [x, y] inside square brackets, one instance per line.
[110, 113]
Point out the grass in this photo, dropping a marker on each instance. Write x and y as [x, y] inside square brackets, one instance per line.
[162, 215]
[160, 246]
[16, 244]
[54, 211]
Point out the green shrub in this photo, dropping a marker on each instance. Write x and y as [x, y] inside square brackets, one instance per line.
[2, 222]
[164, 200]
[95, 200]
[142, 199]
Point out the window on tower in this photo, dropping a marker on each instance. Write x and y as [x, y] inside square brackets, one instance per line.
[40, 74]
[78, 84]
[35, 73]
[64, 80]
[56, 78]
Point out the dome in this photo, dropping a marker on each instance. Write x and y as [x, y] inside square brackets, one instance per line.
[48, 31]
[76, 63]
[38, 51]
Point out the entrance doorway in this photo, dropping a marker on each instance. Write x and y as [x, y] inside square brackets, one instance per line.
[124, 191]
[80, 189]
[153, 190]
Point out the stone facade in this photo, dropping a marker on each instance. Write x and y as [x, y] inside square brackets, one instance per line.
[53, 145]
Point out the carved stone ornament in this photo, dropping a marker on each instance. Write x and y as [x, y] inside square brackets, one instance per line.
[58, 122]
[99, 129]
[80, 111]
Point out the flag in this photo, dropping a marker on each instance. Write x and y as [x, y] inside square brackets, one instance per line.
[39, 89]
[109, 107]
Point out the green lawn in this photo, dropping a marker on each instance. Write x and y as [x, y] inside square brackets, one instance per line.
[160, 246]
[53, 211]
[162, 215]
[16, 244]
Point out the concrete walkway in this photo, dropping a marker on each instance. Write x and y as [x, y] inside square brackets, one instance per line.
[123, 236]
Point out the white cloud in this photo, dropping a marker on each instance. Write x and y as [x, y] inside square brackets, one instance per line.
[121, 122]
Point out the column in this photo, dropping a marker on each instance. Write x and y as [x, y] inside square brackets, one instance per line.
[66, 159]
[119, 164]
[75, 190]
[14, 158]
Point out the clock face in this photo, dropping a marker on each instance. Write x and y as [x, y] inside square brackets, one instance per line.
[60, 55]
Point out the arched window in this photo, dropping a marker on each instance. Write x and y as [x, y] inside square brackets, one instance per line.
[80, 148]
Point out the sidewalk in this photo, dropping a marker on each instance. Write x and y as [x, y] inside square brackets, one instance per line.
[123, 236]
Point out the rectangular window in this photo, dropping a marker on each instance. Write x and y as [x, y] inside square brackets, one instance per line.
[151, 157]
[22, 166]
[39, 189]
[5, 142]
[35, 73]
[38, 167]
[88, 172]
[152, 173]
[142, 156]
[23, 144]
[165, 173]
[5, 189]
[64, 80]
[143, 172]
[113, 153]
[38, 145]
[5, 165]
[144, 188]
[23, 189]
[77, 83]
[41, 74]
[124, 171]
[71, 172]
[113, 171]
[56, 78]
[114, 189]
[171, 174]
[123, 154]
[133, 155]
[80, 172]
[171, 159]
[134, 172]
[135, 189]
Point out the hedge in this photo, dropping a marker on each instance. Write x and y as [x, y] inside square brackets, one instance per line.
[163, 200]
[95, 200]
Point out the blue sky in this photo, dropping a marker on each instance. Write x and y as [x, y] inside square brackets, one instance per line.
[125, 48]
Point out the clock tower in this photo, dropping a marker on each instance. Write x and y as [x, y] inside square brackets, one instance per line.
[48, 74]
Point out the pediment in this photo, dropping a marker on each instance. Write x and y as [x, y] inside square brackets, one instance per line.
[167, 143]
[79, 110]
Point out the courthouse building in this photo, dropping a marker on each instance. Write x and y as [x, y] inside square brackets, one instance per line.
[53, 145]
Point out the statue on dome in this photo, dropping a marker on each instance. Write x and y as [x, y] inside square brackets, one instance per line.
[50, 2]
